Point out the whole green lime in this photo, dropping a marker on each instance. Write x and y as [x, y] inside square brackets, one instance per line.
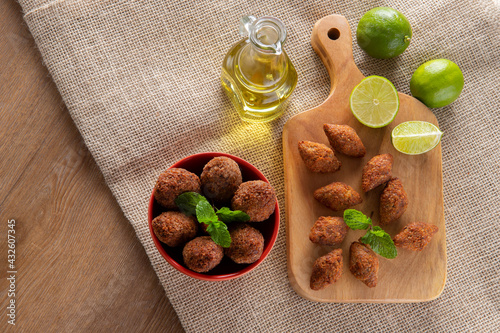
[437, 83]
[383, 33]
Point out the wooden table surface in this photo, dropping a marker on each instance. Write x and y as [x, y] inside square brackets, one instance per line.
[79, 264]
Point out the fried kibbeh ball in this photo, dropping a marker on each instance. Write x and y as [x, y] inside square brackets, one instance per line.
[327, 270]
[318, 157]
[376, 172]
[202, 254]
[337, 196]
[415, 236]
[247, 244]
[393, 201]
[363, 264]
[220, 178]
[328, 230]
[174, 228]
[256, 198]
[173, 183]
[345, 140]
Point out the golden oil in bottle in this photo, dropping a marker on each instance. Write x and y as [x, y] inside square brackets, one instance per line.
[257, 74]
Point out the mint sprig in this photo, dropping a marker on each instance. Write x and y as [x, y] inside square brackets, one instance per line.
[227, 215]
[379, 240]
[205, 212]
[356, 220]
[188, 201]
[192, 203]
[219, 233]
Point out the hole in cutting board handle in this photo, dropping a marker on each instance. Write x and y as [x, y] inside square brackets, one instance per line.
[333, 33]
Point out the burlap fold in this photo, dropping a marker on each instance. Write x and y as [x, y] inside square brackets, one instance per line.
[141, 81]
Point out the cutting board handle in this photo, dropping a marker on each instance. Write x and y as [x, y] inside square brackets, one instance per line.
[332, 41]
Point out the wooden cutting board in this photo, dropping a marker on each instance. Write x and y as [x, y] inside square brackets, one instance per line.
[412, 276]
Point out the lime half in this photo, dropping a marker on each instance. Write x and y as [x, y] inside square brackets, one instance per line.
[374, 101]
[415, 137]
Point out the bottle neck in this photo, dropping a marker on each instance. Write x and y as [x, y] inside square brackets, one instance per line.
[267, 34]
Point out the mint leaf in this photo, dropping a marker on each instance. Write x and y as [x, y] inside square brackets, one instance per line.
[380, 242]
[187, 202]
[219, 233]
[192, 203]
[356, 220]
[205, 212]
[379, 232]
[227, 215]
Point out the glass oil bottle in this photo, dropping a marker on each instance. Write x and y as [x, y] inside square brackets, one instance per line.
[257, 74]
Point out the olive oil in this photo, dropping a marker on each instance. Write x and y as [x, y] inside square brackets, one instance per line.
[257, 74]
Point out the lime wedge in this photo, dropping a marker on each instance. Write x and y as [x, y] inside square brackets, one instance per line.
[374, 101]
[415, 137]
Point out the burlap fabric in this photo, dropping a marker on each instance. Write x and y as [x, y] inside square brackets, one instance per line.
[141, 81]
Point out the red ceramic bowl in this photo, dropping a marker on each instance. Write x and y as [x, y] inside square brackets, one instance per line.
[227, 269]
